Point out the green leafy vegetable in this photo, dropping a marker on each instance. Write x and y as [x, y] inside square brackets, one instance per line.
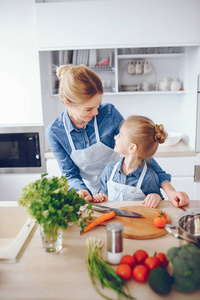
[101, 270]
[53, 205]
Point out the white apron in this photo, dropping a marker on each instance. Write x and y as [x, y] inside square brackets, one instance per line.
[91, 161]
[123, 192]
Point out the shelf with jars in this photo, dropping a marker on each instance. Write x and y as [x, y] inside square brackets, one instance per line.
[156, 70]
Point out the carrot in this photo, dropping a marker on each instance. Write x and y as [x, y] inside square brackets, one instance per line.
[100, 220]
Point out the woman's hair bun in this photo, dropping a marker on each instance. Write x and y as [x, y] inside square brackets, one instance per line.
[60, 71]
[160, 134]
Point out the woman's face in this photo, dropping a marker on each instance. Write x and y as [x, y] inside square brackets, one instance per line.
[84, 113]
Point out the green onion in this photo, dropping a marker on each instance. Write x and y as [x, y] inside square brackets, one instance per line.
[100, 269]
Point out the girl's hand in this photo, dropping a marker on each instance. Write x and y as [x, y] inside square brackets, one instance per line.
[85, 194]
[100, 198]
[178, 199]
[152, 200]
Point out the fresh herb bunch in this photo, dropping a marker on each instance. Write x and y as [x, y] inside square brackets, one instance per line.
[99, 269]
[53, 205]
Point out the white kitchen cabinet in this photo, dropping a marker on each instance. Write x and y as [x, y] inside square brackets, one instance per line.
[181, 169]
[170, 108]
[115, 75]
[19, 60]
[82, 24]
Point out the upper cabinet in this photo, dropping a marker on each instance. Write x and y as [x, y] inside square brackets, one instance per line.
[128, 70]
[19, 72]
[159, 82]
[95, 24]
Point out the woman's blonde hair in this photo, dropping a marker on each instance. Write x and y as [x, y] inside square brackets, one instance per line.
[78, 84]
[145, 134]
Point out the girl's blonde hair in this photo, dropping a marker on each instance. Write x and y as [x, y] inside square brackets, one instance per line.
[145, 134]
[78, 84]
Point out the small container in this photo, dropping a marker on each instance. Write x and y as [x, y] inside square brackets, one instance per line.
[114, 242]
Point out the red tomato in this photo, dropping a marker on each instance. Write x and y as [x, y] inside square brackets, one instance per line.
[160, 222]
[161, 214]
[152, 263]
[124, 271]
[163, 259]
[140, 256]
[128, 260]
[140, 273]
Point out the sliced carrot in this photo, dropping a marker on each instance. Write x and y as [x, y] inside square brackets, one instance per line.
[100, 220]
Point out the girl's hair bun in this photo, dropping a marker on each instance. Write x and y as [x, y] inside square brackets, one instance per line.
[160, 134]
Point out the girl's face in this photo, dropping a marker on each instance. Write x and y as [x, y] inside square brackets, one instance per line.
[122, 141]
[84, 113]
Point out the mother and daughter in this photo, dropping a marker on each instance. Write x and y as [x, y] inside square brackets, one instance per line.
[103, 156]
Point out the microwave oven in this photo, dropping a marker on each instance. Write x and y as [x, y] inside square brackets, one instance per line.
[22, 149]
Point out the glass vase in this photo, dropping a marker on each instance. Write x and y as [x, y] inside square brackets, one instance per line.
[52, 242]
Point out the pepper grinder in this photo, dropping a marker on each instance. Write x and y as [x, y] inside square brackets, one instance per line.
[114, 242]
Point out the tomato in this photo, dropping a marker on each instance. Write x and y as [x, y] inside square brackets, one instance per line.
[128, 260]
[163, 259]
[124, 271]
[140, 273]
[161, 214]
[159, 222]
[152, 263]
[140, 256]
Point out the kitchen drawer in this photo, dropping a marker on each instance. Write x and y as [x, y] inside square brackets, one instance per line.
[177, 166]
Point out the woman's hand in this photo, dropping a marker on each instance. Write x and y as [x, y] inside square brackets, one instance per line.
[152, 200]
[178, 199]
[85, 194]
[100, 198]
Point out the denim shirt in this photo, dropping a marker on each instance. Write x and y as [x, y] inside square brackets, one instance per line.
[150, 182]
[108, 121]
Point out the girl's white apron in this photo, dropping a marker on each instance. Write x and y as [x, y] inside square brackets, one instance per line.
[122, 192]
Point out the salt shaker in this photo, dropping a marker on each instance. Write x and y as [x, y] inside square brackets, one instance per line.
[114, 242]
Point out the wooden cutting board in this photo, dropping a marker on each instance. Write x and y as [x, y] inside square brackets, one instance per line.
[139, 228]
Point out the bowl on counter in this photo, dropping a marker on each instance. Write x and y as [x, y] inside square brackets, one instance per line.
[172, 139]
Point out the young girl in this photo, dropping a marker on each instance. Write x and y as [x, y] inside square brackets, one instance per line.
[132, 178]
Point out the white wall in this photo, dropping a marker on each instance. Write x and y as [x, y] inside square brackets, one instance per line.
[76, 24]
[19, 64]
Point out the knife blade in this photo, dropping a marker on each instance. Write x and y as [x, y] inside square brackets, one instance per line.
[119, 212]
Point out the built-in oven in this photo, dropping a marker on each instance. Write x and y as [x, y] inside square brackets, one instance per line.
[22, 149]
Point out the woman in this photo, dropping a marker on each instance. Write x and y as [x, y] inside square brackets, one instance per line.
[82, 137]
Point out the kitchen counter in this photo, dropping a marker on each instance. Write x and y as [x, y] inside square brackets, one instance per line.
[181, 149]
[64, 275]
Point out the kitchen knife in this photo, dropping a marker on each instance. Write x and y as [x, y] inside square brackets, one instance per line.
[119, 212]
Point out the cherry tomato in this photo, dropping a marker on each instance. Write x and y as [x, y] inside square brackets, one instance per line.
[159, 222]
[140, 256]
[152, 263]
[163, 259]
[124, 271]
[128, 260]
[161, 214]
[140, 273]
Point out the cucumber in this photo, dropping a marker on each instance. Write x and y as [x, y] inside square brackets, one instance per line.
[160, 281]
